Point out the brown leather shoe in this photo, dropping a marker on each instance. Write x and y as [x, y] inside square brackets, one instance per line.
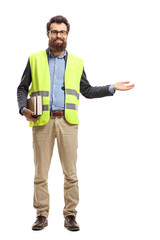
[71, 224]
[40, 223]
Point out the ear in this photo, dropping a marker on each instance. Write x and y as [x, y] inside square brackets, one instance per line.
[47, 34]
[67, 35]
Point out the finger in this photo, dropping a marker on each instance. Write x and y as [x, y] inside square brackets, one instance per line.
[32, 119]
[35, 119]
[126, 82]
[130, 86]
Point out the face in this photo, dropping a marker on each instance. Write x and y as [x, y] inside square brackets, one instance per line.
[57, 43]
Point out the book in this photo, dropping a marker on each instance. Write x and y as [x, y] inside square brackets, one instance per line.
[35, 105]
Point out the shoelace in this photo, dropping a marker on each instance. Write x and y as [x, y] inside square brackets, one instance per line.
[71, 218]
[41, 218]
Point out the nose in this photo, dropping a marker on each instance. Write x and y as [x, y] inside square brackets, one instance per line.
[58, 34]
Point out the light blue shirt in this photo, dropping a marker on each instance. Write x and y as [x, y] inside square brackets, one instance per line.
[57, 72]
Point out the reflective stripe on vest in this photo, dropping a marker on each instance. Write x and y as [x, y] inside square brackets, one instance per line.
[41, 86]
[73, 92]
[40, 93]
[72, 106]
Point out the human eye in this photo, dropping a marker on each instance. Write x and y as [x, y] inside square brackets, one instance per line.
[54, 32]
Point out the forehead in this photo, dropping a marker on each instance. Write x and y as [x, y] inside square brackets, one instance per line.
[58, 26]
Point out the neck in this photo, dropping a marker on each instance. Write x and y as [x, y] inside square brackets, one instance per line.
[56, 54]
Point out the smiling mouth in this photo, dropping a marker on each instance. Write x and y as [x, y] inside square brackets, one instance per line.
[58, 41]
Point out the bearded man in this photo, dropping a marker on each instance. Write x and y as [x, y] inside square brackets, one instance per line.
[58, 76]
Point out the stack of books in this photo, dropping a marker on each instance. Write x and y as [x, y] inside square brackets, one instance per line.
[35, 105]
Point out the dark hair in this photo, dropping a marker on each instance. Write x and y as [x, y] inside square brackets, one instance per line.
[58, 19]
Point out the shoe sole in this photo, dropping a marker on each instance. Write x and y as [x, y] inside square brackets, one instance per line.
[71, 229]
[35, 228]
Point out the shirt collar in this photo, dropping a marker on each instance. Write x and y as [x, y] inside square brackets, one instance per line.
[63, 56]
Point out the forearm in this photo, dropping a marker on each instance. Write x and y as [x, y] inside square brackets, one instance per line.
[89, 91]
[22, 90]
[22, 97]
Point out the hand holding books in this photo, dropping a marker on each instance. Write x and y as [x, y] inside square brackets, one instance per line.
[30, 115]
[34, 108]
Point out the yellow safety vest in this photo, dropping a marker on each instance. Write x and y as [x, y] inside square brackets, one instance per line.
[41, 86]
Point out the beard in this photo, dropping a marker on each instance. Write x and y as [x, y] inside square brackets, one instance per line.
[57, 46]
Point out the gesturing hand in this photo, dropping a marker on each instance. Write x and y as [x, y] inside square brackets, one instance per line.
[122, 87]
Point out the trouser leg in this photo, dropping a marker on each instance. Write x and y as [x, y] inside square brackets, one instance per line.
[43, 143]
[67, 147]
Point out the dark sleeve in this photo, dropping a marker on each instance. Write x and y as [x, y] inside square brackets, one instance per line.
[22, 90]
[89, 91]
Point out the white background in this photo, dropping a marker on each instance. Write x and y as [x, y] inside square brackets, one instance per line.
[118, 162]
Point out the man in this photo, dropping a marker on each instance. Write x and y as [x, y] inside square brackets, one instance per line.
[58, 76]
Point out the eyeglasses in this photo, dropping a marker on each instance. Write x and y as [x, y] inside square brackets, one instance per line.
[55, 33]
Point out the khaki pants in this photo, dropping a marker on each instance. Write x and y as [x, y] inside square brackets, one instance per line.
[43, 143]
